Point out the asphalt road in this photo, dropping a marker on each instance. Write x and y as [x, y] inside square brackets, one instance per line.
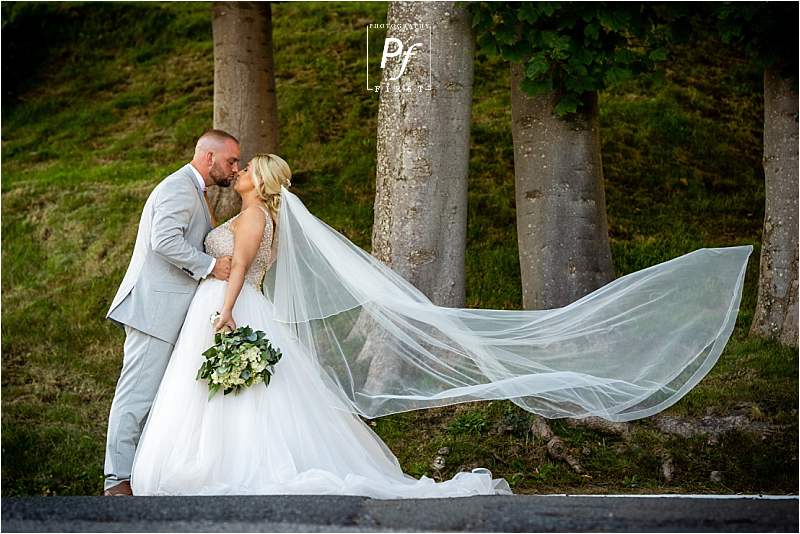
[327, 513]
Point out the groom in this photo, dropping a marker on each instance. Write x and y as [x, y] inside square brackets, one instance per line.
[167, 265]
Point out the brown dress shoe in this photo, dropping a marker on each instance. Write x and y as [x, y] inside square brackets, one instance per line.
[123, 489]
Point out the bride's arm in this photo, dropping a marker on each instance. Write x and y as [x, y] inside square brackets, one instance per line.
[248, 230]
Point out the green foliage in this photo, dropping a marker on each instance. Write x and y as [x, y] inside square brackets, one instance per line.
[238, 359]
[574, 48]
[469, 423]
[546, 471]
[767, 31]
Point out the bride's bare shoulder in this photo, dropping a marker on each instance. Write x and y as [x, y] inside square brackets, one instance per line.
[250, 220]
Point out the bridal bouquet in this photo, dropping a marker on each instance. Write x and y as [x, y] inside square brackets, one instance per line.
[237, 360]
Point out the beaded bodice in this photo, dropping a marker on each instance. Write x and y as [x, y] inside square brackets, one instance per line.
[219, 242]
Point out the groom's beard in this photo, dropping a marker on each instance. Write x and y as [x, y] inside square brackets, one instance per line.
[218, 175]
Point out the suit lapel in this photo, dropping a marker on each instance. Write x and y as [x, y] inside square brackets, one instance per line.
[205, 207]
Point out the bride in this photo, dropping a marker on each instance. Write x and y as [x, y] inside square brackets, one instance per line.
[357, 339]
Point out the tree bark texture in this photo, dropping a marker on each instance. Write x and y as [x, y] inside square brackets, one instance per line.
[420, 215]
[245, 103]
[777, 310]
[420, 211]
[562, 230]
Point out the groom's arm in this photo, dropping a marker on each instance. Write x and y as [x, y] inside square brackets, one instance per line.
[171, 215]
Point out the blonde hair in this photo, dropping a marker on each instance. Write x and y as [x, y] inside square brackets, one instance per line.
[269, 173]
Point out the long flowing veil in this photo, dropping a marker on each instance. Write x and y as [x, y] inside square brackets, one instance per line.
[625, 351]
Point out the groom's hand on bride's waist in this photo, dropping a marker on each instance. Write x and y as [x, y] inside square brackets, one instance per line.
[222, 268]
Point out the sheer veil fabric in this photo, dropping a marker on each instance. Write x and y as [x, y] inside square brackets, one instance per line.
[358, 340]
[626, 351]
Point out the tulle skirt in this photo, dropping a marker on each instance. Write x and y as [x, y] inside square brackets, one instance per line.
[295, 436]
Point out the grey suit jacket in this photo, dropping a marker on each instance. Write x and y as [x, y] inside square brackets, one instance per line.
[168, 261]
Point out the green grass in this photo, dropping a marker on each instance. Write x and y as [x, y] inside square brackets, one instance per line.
[113, 101]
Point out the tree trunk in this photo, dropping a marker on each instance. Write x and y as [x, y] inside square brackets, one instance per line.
[562, 230]
[245, 103]
[420, 215]
[423, 153]
[776, 311]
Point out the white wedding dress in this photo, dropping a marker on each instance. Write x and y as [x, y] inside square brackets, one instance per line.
[358, 339]
[292, 437]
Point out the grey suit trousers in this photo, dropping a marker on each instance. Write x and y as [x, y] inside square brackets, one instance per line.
[143, 365]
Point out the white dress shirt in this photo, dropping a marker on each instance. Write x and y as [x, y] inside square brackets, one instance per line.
[203, 188]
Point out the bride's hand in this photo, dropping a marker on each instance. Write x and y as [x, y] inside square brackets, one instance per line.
[225, 319]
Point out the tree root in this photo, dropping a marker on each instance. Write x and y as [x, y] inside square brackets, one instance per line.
[555, 446]
[710, 426]
[598, 423]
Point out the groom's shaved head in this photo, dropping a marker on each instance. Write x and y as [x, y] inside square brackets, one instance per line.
[212, 141]
[216, 157]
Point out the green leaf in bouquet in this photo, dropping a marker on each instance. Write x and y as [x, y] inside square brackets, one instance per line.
[227, 355]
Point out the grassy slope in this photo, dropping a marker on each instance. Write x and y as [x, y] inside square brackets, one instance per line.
[105, 115]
